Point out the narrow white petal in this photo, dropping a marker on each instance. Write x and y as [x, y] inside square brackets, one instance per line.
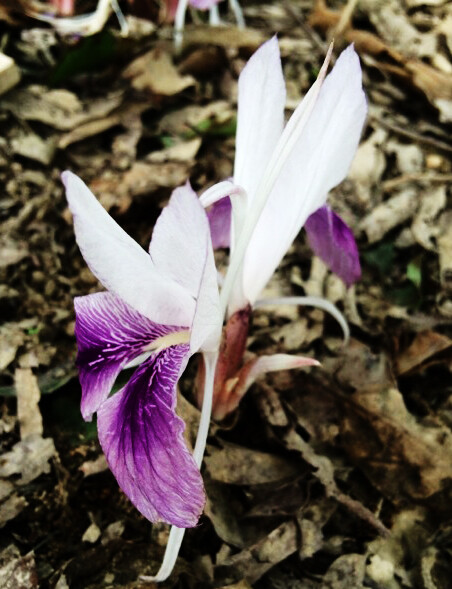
[260, 116]
[181, 250]
[318, 161]
[120, 264]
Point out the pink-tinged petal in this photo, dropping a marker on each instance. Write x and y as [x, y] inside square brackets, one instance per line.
[183, 227]
[203, 4]
[332, 240]
[260, 116]
[120, 264]
[235, 388]
[220, 223]
[318, 160]
[142, 438]
[109, 335]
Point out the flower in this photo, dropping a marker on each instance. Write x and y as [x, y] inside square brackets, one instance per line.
[281, 179]
[282, 175]
[160, 307]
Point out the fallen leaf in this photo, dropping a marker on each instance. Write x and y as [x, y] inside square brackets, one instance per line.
[389, 214]
[28, 396]
[241, 466]
[28, 458]
[425, 226]
[155, 72]
[401, 456]
[16, 571]
[60, 109]
[253, 562]
[425, 346]
[229, 37]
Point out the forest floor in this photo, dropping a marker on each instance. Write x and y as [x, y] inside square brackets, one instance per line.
[337, 476]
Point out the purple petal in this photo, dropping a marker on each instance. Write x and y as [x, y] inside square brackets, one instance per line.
[142, 439]
[333, 241]
[203, 4]
[220, 223]
[109, 335]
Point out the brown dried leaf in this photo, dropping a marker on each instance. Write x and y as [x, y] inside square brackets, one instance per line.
[389, 214]
[155, 72]
[10, 508]
[91, 467]
[12, 336]
[223, 512]
[346, 572]
[253, 562]
[401, 456]
[228, 37]
[59, 109]
[16, 571]
[425, 226]
[28, 396]
[29, 458]
[425, 346]
[241, 466]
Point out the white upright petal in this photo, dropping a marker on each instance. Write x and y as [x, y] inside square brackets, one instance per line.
[183, 227]
[318, 161]
[208, 321]
[120, 264]
[260, 116]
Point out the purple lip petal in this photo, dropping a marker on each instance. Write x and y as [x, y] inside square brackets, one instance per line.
[333, 241]
[220, 223]
[109, 334]
[142, 439]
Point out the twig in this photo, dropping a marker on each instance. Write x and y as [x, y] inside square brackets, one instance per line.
[416, 177]
[412, 135]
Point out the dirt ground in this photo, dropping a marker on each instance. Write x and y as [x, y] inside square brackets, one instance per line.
[337, 476]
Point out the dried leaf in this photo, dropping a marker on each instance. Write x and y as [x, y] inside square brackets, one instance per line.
[28, 396]
[59, 109]
[28, 459]
[425, 227]
[155, 72]
[229, 37]
[253, 562]
[425, 346]
[16, 571]
[241, 466]
[389, 214]
[402, 457]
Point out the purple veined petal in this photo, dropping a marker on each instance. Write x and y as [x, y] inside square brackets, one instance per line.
[109, 335]
[142, 439]
[203, 4]
[318, 161]
[332, 240]
[220, 223]
[123, 266]
[181, 249]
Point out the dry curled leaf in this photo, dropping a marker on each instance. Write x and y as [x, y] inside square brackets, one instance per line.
[241, 466]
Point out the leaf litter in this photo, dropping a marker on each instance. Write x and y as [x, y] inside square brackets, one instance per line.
[334, 478]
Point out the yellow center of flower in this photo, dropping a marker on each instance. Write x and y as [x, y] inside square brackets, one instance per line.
[171, 339]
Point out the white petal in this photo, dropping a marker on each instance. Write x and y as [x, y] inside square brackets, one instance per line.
[260, 117]
[120, 264]
[319, 160]
[183, 227]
